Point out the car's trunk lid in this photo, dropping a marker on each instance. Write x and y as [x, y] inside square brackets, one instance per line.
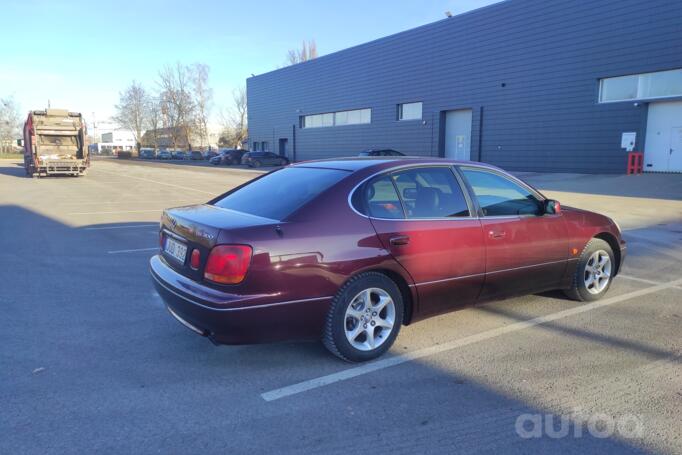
[184, 229]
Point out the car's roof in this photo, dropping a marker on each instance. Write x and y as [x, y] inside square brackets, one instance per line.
[384, 162]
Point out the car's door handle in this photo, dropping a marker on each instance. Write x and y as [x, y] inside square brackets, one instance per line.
[497, 235]
[399, 240]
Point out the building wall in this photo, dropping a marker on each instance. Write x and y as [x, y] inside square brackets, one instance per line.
[529, 69]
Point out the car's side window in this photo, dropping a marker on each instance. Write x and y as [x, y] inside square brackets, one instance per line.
[499, 196]
[431, 192]
[381, 199]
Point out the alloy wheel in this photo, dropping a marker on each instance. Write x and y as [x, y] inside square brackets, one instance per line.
[369, 319]
[597, 272]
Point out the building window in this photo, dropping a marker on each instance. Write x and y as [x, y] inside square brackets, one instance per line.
[410, 111]
[662, 84]
[256, 146]
[266, 146]
[354, 117]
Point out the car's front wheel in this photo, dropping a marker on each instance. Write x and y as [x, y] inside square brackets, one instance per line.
[364, 318]
[594, 273]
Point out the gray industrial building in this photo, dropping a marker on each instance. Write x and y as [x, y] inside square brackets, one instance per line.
[535, 85]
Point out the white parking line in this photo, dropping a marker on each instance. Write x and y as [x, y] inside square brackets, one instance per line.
[104, 228]
[483, 336]
[160, 183]
[644, 280]
[133, 251]
[117, 211]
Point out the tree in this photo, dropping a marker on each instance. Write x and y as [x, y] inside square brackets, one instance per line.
[9, 124]
[203, 96]
[177, 105]
[132, 110]
[308, 51]
[234, 123]
[154, 121]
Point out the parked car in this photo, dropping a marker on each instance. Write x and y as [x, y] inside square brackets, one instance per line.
[228, 156]
[179, 155]
[147, 154]
[210, 154]
[196, 155]
[164, 155]
[349, 250]
[258, 159]
[380, 152]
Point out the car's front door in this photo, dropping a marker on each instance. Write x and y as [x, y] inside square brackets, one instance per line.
[526, 249]
[423, 218]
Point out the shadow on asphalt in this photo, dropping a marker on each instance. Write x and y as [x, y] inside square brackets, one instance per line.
[13, 171]
[113, 354]
[599, 338]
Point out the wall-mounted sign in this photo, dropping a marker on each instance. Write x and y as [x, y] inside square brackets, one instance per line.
[627, 141]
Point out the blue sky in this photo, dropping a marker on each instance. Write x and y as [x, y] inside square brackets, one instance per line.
[80, 54]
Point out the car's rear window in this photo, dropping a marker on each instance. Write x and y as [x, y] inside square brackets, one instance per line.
[280, 193]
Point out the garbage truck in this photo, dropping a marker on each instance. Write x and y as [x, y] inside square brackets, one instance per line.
[55, 143]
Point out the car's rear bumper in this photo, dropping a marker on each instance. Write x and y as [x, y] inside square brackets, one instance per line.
[228, 318]
[61, 167]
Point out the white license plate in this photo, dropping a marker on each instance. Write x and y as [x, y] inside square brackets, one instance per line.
[176, 249]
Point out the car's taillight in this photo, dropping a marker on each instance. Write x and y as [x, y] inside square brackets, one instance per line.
[195, 259]
[227, 264]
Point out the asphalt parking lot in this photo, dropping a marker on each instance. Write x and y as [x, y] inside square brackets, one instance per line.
[92, 362]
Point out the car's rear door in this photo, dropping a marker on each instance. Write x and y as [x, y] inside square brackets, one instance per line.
[526, 249]
[423, 218]
[273, 158]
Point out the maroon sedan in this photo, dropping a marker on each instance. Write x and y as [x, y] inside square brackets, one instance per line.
[347, 251]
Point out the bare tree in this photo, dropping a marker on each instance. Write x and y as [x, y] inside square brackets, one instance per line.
[234, 123]
[203, 96]
[9, 124]
[308, 51]
[177, 105]
[154, 121]
[132, 110]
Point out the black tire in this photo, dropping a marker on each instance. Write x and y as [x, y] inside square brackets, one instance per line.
[284, 162]
[334, 336]
[579, 289]
[256, 163]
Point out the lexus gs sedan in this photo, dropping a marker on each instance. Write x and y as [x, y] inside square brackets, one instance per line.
[349, 250]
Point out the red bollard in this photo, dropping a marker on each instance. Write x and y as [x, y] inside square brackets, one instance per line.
[635, 162]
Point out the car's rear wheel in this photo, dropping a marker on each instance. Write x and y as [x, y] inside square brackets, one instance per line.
[257, 163]
[594, 273]
[364, 318]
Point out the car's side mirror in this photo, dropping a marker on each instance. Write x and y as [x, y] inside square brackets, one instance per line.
[552, 207]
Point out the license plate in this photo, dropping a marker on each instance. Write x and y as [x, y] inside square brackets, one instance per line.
[175, 249]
